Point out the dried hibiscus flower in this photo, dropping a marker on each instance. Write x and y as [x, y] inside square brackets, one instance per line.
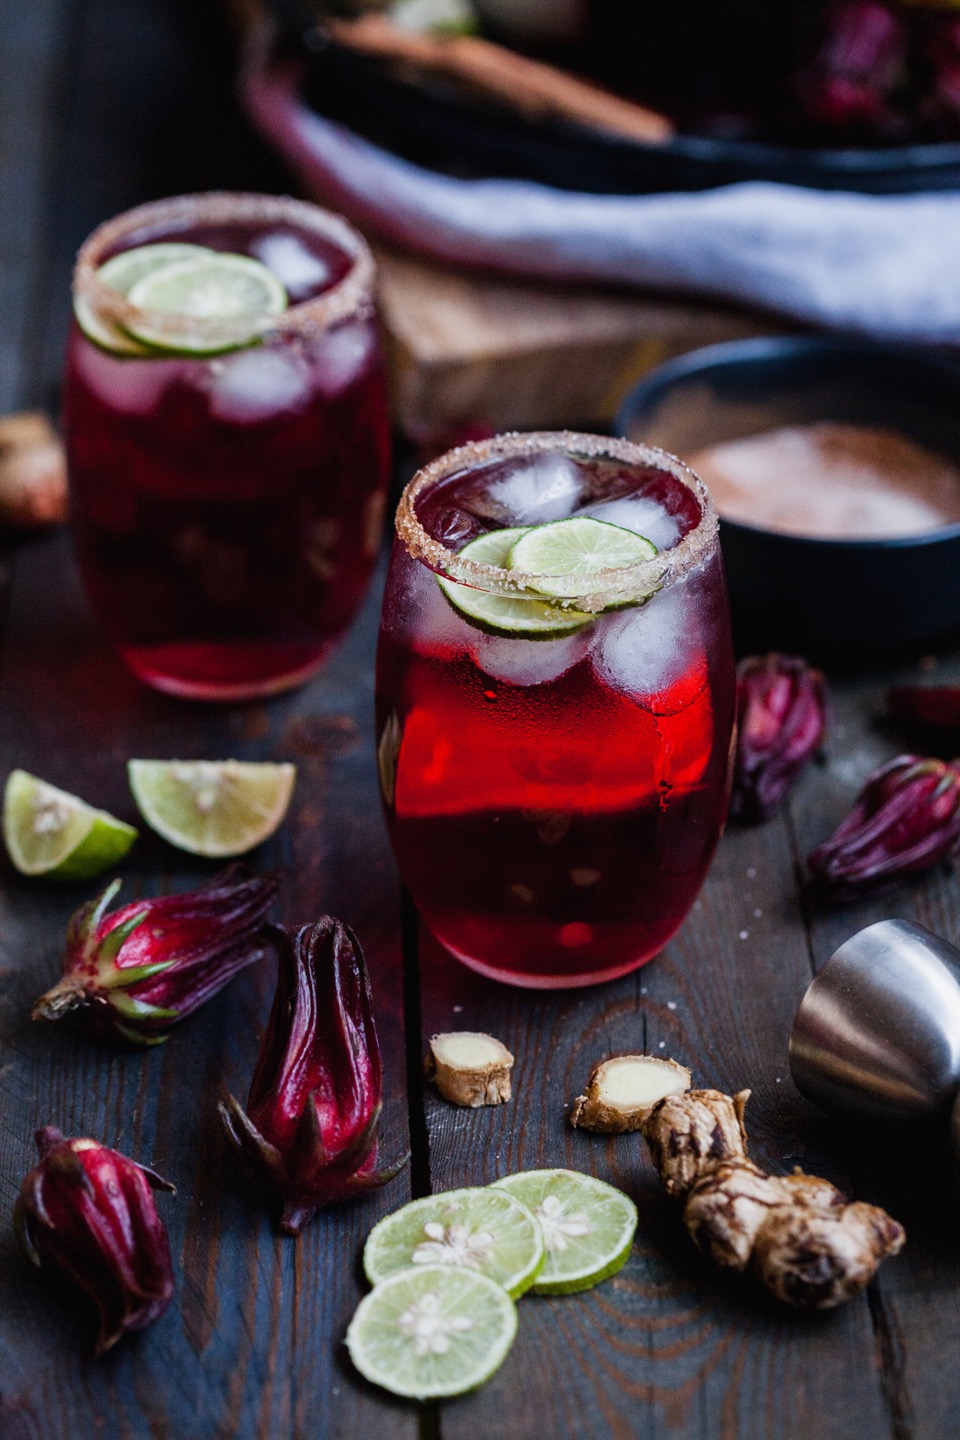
[88, 1211]
[309, 1133]
[906, 818]
[781, 719]
[136, 971]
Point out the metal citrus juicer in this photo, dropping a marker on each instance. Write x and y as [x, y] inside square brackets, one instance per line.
[877, 1034]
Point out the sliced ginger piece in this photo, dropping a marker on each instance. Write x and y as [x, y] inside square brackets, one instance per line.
[622, 1091]
[469, 1068]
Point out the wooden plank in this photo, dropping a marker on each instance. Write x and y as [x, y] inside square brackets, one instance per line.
[913, 1298]
[250, 1348]
[30, 72]
[667, 1346]
[518, 355]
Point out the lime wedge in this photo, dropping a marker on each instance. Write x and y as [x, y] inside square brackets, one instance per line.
[565, 553]
[49, 832]
[212, 807]
[507, 614]
[462, 1229]
[432, 1332]
[588, 1226]
[211, 286]
[121, 273]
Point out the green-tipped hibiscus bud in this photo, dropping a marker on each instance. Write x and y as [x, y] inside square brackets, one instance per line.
[88, 1212]
[308, 1136]
[135, 972]
[907, 817]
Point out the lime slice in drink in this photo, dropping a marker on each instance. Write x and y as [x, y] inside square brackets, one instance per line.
[462, 1229]
[49, 832]
[507, 614]
[121, 273]
[211, 286]
[432, 1332]
[565, 553]
[588, 1226]
[212, 807]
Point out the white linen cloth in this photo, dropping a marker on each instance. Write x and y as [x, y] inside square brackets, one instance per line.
[885, 266]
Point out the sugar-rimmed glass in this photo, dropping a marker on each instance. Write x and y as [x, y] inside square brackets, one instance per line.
[554, 804]
[227, 505]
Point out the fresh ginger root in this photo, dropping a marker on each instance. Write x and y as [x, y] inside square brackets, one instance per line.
[623, 1090]
[689, 1134]
[800, 1236]
[33, 472]
[469, 1068]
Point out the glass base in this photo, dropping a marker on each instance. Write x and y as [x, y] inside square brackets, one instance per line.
[224, 672]
[566, 981]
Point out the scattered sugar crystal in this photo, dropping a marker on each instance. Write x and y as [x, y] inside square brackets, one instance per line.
[744, 934]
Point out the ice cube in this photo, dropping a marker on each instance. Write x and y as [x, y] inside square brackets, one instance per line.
[645, 650]
[527, 662]
[256, 385]
[420, 612]
[547, 487]
[641, 514]
[301, 273]
[128, 384]
[341, 357]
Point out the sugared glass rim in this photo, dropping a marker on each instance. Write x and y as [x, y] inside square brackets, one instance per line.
[607, 587]
[351, 295]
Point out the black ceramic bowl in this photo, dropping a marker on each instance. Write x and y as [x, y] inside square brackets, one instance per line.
[829, 597]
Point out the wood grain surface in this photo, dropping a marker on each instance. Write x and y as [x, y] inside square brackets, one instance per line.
[104, 103]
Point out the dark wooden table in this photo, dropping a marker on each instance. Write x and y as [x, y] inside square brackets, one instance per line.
[104, 103]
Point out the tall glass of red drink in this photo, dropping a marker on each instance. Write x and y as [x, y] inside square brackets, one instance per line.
[555, 779]
[228, 471]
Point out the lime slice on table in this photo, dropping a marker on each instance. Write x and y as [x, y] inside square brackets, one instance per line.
[212, 807]
[121, 273]
[461, 1229]
[588, 1226]
[50, 832]
[432, 1332]
[211, 286]
[565, 553]
[507, 614]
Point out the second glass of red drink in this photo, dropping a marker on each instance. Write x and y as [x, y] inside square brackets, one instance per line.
[228, 438]
[555, 701]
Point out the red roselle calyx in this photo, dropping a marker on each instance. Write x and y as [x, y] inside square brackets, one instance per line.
[858, 70]
[782, 716]
[137, 971]
[309, 1132]
[937, 706]
[907, 817]
[89, 1211]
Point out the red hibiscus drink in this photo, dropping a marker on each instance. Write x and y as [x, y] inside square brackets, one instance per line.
[555, 703]
[227, 438]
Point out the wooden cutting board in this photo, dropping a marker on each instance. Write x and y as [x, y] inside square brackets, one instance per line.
[467, 348]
